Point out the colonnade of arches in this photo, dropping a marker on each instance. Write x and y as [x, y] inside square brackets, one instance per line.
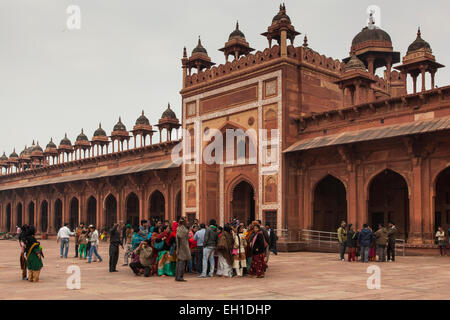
[387, 201]
[41, 217]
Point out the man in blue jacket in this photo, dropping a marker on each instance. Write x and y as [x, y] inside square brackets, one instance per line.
[365, 237]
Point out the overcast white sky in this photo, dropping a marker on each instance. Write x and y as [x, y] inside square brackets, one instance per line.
[126, 57]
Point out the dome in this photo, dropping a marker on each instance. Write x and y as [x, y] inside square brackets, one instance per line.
[142, 120]
[354, 64]
[418, 44]
[119, 126]
[82, 136]
[99, 132]
[51, 144]
[3, 157]
[236, 34]
[199, 48]
[27, 151]
[37, 148]
[281, 14]
[371, 34]
[65, 141]
[14, 154]
[169, 113]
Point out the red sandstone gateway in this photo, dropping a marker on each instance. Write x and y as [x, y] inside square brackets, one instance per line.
[352, 145]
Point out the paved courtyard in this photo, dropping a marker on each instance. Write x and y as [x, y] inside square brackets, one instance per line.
[302, 275]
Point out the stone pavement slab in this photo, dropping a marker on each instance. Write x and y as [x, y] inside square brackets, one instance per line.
[295, 275]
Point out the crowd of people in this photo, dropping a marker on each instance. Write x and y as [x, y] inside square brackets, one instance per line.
[159, 248]
[366, 244]
[164, 249]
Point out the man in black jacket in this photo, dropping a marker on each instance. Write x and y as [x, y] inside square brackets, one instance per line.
[272, 239]
[114, 243]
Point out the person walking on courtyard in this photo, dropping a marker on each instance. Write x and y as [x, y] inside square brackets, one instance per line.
[209, 246]
[183, 252]
[258, 246]
[77, 238]
[199, 237]
[239, 259]
[23, 259]
[114, 243]
[224, 251]
[442, 241]
[127, 244]
[94, 240]
[351, 243]
[273, 238]
[34, 259]
[64, 234]
[392, 234]
[82, 243]
[342, 238]
[365, 237]
[381, 238]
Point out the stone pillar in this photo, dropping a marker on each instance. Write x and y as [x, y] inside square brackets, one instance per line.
[422, 72]
[51, 216]
[100, 210]
[352, 201]
[283, 43]
[141, 194]
[361, 215]
[370, 64]
[432, 72]
[428, 205]
[416, 203]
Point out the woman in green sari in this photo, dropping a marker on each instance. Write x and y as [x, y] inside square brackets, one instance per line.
[166, 261]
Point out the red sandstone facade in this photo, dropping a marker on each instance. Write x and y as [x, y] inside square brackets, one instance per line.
[351, 145]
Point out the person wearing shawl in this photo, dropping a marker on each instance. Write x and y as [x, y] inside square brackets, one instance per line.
[224, 251]
[34, 256]
[248, 248]
[240, 243]
[136, 239]
[153, 240]
[258, 245]
[183, 252]
[166, 261]
[23, 260]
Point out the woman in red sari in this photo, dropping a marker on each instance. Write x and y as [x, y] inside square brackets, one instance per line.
[258, 246]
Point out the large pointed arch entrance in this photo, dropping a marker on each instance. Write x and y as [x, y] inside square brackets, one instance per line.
[31, 210]
[442, 200]
[132, 206]
[19, 214]
[74, 211]
[110, 210]
[58, 214]
[389, 202]
[243, 202]
[330, 204]
[44, 216]
[157, 206]
[91, 211]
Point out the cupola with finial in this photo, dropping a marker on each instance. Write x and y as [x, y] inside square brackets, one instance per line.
[82, 144]
[236, 44]
[280, 30]
[199, 58]
[120, 134]
[100, 140]
[168, 121]
[142, 128]
[419, 60]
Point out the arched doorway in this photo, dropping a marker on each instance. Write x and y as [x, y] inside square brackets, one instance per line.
[178, 210]
[58, 214]
[132, 206]
[243, 202]
[19, 214]
[31, 213]
[330, 204]
[388, 202]
[442, 200]
[44, 216]
[157, 206]
[8, 217]
[74, 210]
[91, 211]
[111, 210]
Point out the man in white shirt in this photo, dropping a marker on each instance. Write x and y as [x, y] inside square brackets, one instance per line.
[93, 238]
[64, 233]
